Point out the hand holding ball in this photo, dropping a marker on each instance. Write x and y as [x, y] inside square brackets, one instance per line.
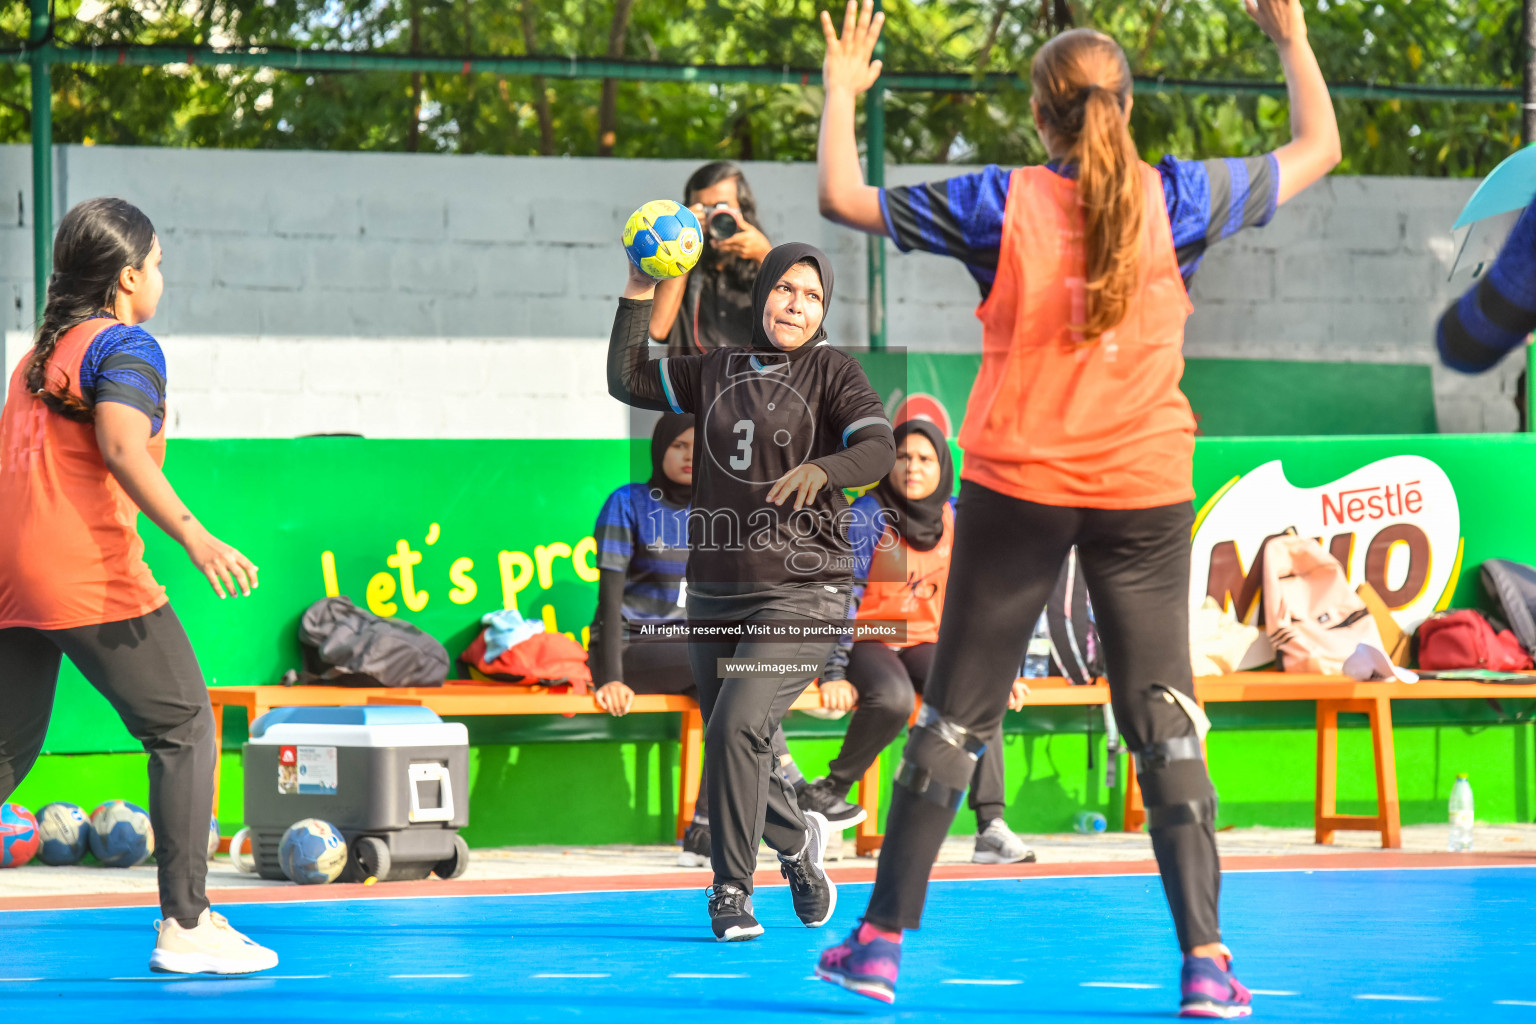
[663, 239]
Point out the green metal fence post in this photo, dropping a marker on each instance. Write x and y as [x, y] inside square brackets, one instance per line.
[42, 157]
[874, 151]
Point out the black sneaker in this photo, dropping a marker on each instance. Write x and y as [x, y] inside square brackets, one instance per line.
[820, 797]
[695, 852]
[814, 894]
[730, 913]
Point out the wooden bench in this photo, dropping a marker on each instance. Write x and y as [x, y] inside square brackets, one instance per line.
[1333, 695]
[464, 699]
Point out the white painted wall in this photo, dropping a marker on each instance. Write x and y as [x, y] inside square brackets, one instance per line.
[432, 296]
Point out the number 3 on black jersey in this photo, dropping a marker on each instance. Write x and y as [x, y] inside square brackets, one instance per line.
[743, 460]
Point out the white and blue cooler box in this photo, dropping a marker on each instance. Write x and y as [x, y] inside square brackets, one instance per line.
[393, 780]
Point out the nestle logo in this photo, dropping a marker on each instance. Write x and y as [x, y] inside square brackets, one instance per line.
[1362, 503]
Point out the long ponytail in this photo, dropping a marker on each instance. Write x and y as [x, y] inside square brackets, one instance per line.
[1082, 85]
[96, 240]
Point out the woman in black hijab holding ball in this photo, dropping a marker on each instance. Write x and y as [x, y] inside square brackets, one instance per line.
[783, 425]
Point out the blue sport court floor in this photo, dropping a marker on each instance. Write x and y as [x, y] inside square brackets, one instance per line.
[1434, 944]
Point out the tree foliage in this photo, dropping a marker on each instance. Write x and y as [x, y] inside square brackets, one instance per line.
[1464, 42]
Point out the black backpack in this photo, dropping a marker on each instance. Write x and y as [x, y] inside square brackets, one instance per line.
[346, 646]
[1512, 587]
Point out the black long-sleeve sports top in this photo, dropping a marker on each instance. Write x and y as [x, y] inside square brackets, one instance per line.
[761, 414]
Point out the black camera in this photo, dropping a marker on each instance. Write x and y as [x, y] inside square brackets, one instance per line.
[720, 222]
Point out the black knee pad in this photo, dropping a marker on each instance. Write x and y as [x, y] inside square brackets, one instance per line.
[1175, 786]
[940, 759]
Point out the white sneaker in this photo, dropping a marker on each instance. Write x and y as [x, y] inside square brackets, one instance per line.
[997, 844]
[213, 947]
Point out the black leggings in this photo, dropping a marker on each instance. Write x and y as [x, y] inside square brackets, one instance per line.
[1007, 556]
[147, 671]
[663, 667]
[887, 681]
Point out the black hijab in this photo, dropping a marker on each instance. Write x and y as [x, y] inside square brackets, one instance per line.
[669, 428]
[919, 523]
[775, 265]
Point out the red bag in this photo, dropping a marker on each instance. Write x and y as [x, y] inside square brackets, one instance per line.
[1465, 639]
[542, 658]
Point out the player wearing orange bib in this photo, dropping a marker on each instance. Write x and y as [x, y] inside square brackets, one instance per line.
[82, 438]
[1076, 433]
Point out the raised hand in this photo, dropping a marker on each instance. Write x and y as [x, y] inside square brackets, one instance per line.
[1281, 20]
[848, 64]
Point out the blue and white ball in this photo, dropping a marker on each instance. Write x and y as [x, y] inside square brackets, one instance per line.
[312, 852]
[121, 836]
[213, 837]
[65, 831]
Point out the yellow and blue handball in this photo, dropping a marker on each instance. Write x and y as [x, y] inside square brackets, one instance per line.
[121, 836]
[312, 852]
[65, 831]
[663, 239]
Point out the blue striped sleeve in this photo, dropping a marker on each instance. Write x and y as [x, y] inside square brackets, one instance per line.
[615, 531]
[124, 365]
[1498, 313]
[960, 217]
[1209, 200]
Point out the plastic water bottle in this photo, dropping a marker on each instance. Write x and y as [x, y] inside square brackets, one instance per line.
[1089, 822]
[1461, 815]
[1037, 656]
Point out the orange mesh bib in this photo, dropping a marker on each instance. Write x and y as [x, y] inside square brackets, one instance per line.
[1054, 420]
[70, 551]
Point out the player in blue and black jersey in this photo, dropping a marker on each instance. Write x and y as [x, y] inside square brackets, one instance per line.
[1499, 312]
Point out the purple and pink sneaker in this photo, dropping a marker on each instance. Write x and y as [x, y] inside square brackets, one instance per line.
[865, 963]
[1210, 990]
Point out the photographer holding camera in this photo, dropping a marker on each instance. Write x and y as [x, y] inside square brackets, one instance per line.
[710, 307]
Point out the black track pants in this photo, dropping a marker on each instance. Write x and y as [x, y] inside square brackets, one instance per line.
[886, 680]
[147, 671]
[748, 798]
[664, 667]
[1006, 558]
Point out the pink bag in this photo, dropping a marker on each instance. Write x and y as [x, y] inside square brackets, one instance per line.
[1314, 618]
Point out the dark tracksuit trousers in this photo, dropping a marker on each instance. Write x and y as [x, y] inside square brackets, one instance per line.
[147, 671]
[664, 667]
[1007, 556]
[887, 681]
[748, 798]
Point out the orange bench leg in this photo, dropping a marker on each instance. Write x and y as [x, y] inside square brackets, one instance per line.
[1386, 776]
[690, 764]
[1135, 812]
[867, 836]
[1326, 807]
[218, 752]
[1388, 817]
